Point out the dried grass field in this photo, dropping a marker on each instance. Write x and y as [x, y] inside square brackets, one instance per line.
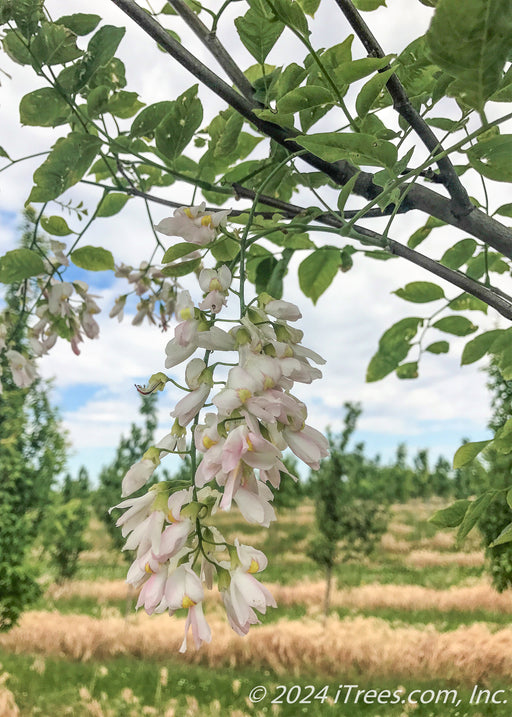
[420, 614]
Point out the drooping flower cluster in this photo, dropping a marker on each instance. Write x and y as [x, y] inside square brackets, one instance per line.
[157, 294]
[236, 449]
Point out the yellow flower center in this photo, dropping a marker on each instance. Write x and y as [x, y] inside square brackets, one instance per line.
[249, 444]
[187, 602]
[253, 567]
[170, 517]
[206, 221]
[208, 442]
[244, 394]
[149, 569]
[186, 314]
[188, 213]
[268, 382]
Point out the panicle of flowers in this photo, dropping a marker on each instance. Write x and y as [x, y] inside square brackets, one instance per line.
[66, 310]
[235, 446]
[157, 294]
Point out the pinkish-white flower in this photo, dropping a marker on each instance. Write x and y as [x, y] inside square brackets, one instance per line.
[193, 224]
[23, 370]
[183, 588]
[118, 308]
[58, 298]
[189, 406]
[200, 630]
[152, 591]
[137, 476]
[308, 444]
[253, 500]
[244, 595]
[283, 310]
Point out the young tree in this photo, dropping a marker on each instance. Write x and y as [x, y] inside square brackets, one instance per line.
[32, 453]
[262, 147]
[498, 514]
[348, 519]
[64, 524]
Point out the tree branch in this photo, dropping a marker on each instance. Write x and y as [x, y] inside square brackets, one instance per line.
[476, 222]
[402, 104]
[492, 296]
[210, 40]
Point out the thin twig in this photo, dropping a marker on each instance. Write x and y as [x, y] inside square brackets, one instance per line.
[211, 41]
[402, 104]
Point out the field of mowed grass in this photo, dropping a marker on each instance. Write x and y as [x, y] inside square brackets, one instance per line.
[419, 614]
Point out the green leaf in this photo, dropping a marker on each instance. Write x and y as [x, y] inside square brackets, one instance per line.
[290, 12]
[505, 210]
[394, 346]
[111, 204]
[263, 271]
[224, 249]
[20, 264]
[25, 13]
[475, 510]
[16, 49]
[370, 91]
[44, 108]
[97, 101]
[447, 125]
[179, 125]
[177, 251]
[438, 347]
[503, 438]
[54, 45]
[493, 158]
[298, 241]
[467, 302]
[346, 191]
[258, 34]
[504, 537]
[80, 23]
[369, 5]
[100, 51]
[359, 148]
[357, 69]
[459, 253]
[420, 292]
[317, 271]
[470, 40]
[228, 138]
[479, 346]
[457, 325]
[185, 267]
[407, 370]
[57, 226]
[92, 258]
[124, 104]
[418, 236]
[468, 452]
[3, 153]
[66, 164]
[148, 120]
[452, 516]
[309, 6]
[304, 98]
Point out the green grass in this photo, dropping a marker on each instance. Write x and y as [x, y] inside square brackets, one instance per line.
[56, 691]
